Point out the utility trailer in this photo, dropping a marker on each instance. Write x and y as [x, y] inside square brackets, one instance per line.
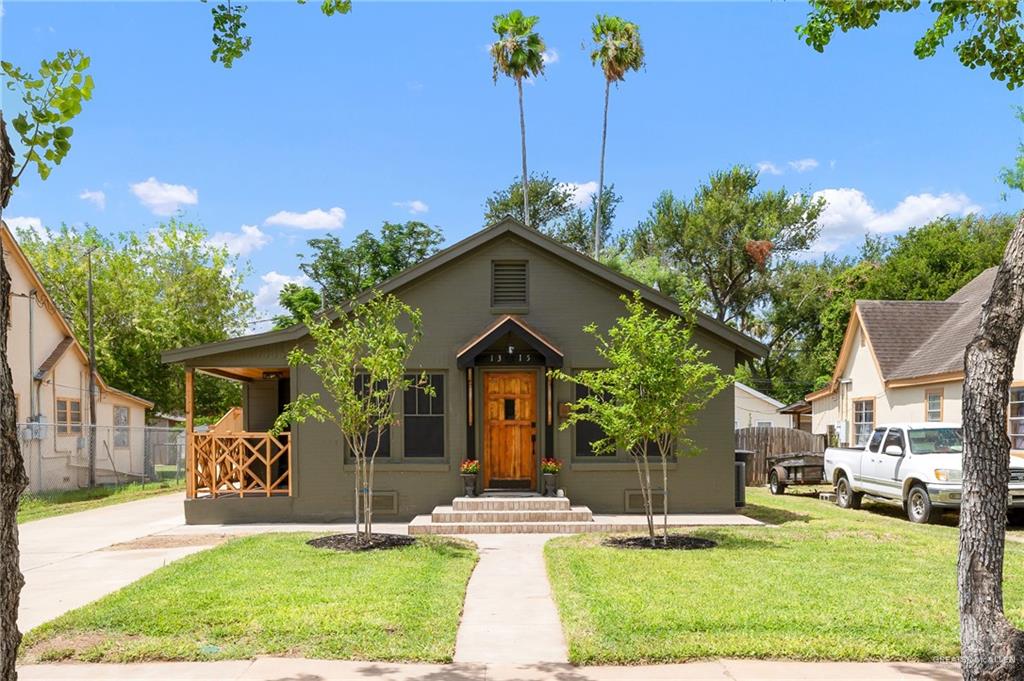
[796, 468]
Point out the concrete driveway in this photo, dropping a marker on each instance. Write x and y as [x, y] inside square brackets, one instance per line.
[73, 559]
[65, 565]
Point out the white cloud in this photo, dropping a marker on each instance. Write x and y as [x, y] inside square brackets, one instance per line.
[266, 299]
[97, 198]
[550, 56]
[415, 206]
[162, 198]
[767, 167]
[848, 214]
[582, 192]
[311, 219]
[243, 242]
[32, 224]
[802, 165]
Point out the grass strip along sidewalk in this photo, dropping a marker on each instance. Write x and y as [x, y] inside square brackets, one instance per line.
[49, 504]
[272, 594]
[825, 584]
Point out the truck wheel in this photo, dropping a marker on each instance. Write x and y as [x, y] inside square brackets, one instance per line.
[774, 486]
[845, 496]
[919, 505]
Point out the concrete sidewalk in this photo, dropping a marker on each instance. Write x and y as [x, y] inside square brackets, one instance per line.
[508, 616]
[290, 669]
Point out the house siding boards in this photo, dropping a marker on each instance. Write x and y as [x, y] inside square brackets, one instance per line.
[48, 364]
[753, 408]
[455, 300]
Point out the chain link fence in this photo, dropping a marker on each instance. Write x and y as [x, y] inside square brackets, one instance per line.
[57, 456]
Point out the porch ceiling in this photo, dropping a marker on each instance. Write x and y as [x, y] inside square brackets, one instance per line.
[245, 374]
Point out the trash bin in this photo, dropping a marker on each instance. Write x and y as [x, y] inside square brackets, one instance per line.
[741, 476]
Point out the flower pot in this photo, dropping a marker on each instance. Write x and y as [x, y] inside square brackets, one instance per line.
[550, 484]
[469, 483]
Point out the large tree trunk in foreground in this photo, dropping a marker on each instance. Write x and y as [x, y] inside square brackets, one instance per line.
[991, 648]
[12, 467]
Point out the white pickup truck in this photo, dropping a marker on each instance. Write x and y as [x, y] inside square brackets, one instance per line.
[918, 464]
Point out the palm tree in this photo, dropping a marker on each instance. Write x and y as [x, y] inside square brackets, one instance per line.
[618, 50]
[518, 53]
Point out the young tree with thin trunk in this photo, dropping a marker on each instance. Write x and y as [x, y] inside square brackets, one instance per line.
[618, 50]
[51, 98]
[360, 358]
[519, 54]
[655, 384]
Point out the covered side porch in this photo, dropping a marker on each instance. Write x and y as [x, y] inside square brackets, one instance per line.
[238, 456]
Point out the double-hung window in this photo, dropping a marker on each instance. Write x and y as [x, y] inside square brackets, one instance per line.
[933, 405]
[423, 419]
[69, 416]
[863, 421]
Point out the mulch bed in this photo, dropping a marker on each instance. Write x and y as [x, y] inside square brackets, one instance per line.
[351, 542]
[679, 542]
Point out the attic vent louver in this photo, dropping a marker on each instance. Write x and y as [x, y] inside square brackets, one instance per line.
[508, 284]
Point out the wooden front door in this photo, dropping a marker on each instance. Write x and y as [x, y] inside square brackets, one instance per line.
[510, 429]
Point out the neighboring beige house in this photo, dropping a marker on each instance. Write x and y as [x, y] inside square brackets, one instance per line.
[754, 408]
[50, 369]
[902, 361]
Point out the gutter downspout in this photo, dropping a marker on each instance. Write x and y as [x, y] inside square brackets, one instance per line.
[34, 387]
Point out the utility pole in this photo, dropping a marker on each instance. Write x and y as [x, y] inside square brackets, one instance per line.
[92, 374]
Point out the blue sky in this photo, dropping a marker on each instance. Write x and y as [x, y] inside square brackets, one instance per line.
[389, 113]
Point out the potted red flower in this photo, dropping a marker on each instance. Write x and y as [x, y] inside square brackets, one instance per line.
[549, 468]
[469, 469]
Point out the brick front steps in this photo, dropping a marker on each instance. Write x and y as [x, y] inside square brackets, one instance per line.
[505, 515]
[545, 515]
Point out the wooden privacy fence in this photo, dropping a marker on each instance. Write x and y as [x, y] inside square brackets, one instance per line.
[767, 443]
[238, 464]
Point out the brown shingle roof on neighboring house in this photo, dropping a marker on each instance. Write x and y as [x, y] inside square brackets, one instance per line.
[918, 339]
[897, 328]
[54, 357]
[943, 351]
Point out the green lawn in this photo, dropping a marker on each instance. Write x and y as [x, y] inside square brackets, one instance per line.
[825, 583]
[45, 505]
[272, 594]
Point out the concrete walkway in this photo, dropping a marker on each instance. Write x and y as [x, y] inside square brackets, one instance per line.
[290, 669]
[508, 616]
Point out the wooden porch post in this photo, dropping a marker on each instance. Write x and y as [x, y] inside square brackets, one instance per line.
[190, 462]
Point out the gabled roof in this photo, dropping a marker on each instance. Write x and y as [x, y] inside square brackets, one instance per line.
[10, 245]
[917, 341]
[758, 394]
[743, 343]
[553, 356]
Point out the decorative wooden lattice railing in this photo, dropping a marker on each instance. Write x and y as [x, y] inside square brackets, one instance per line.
[239, 465]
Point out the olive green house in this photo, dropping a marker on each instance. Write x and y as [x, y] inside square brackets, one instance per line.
[499, 309]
